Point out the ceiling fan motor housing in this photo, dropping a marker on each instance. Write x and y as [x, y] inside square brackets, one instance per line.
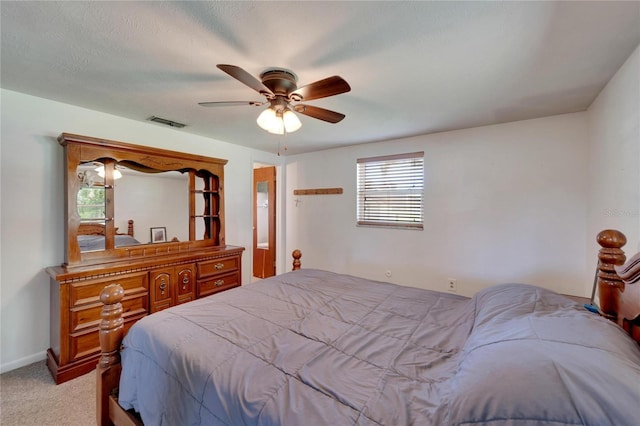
[279, 103]
[280, 81]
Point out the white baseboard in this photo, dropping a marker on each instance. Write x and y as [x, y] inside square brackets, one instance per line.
[40, 356]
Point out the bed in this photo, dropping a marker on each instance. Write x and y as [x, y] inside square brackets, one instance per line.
[91, 236]
[316, 347]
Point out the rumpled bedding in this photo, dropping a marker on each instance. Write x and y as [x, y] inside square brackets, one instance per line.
[313, 347]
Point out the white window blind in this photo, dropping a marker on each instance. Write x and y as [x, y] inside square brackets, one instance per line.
[390, 190]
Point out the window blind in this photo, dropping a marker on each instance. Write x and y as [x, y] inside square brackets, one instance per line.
[390, 190]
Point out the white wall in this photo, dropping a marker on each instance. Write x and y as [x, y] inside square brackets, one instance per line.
[614, 160]
[31, 228]
[520, 202]
[153, 200]
[504, 203]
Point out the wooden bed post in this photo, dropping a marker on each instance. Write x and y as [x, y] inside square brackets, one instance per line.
[297, 254]
[111, 330]
[609, 283]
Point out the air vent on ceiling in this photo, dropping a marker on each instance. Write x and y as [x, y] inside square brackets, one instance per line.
[170, 123]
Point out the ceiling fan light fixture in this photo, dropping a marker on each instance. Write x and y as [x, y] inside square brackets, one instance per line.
[116, 173]
[291, 121]
[269, 121]
[277, 127]
[277, 123]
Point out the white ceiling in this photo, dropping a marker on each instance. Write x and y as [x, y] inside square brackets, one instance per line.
[414, 67]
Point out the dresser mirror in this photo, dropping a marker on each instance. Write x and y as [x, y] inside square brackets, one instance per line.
[140, 197]
[118, 193]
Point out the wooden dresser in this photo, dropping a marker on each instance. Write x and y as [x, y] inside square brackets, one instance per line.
[154, 275]
[149, 286]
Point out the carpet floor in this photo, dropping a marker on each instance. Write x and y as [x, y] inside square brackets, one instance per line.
[29, 396]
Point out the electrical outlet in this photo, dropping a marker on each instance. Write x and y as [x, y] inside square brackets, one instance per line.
[452, 285]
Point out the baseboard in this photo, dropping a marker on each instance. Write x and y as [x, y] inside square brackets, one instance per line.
[72, 370]
[40, 356]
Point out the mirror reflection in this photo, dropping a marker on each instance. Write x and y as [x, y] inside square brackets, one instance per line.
[141, 201]
[262, 215]
[91, 206]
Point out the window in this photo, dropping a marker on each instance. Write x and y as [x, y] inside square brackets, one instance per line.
[91, 203]
[390, 190]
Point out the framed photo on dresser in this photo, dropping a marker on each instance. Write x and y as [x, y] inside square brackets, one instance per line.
[159, 235]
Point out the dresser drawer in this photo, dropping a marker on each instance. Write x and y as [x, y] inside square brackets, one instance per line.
[89, 316]
[219, 266]
[218, 284]
[87, 342]
[89, 291]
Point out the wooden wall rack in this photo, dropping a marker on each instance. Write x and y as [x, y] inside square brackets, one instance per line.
[317, 191]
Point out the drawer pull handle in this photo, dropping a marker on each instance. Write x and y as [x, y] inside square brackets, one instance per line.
[163, 286]
[218, 283]
[185, 281]
[219, 266]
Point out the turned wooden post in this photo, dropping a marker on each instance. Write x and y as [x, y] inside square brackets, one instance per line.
[111, 325]
[111, 330]
[297, 254]
[609, 283]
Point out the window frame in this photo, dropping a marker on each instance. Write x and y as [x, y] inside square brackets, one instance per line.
[408, 170]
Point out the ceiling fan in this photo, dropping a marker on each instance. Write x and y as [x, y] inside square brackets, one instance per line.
[279, 87]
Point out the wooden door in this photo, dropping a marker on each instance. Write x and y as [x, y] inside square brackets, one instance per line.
[264, 222]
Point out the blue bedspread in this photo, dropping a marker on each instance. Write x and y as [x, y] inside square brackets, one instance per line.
[313, 347]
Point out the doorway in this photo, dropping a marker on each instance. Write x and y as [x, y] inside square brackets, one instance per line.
[264, 222]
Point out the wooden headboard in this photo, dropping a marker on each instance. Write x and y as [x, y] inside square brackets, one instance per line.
[91, 228]
[95, 228]
[619, 282]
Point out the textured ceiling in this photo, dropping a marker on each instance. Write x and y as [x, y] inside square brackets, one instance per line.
[414, 67]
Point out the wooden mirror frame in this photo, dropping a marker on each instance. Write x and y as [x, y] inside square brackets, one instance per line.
[79, 149]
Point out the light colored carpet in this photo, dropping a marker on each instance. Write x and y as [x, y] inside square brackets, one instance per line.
[29, 396]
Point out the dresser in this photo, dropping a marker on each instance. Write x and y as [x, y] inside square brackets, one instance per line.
[149, 286]
[183, 259]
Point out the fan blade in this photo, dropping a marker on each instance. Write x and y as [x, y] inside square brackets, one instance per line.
[330, 86]
[230, 103]
[319, 113]
[244, 77]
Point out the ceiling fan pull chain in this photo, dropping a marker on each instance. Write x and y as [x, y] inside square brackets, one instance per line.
[285, 144]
